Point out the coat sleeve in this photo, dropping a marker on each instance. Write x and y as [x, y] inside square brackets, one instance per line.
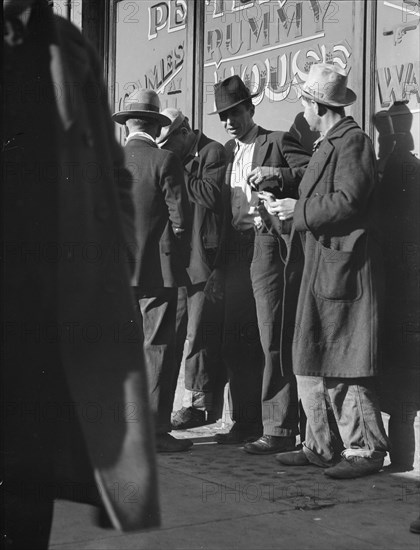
[205, 188]
[353, 181]
[297, 159]
[172, 186]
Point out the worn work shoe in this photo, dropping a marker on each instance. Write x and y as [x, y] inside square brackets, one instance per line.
[294, 458]
[188, 417]
[415, 526]
[354, 466]
[270, 444]
[165, 443]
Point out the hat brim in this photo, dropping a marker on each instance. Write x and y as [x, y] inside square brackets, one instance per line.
[348, 100]
[233, 104]
[176, 124]
[122, 116]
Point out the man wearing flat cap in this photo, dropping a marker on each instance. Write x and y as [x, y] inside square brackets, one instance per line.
[336, 345]
[262, 388]
[199, 320]
[162, 220]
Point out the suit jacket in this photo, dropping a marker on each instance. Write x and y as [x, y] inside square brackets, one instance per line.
[161, 208]
[204, 171]
[276, 149]
[87, 280]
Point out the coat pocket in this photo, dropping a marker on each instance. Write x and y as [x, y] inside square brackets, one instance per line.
[338, 272]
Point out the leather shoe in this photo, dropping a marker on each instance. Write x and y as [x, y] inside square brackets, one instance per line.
[294, 458]
[188, 417]
[415, 526]
[354, 466]
[165, 443]
[270, 444]
[236, 436]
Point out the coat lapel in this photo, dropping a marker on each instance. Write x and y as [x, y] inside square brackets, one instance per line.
[261, 148]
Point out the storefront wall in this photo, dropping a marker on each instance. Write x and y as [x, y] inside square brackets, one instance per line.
[181, 48]
[271, 46]
[396, 118]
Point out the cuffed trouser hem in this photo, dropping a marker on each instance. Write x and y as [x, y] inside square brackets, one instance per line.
[365, 453]
[200, 400]
[314, 458]
[280, 432]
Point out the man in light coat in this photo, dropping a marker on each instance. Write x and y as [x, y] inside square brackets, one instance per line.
[336, 342]
[75, 390]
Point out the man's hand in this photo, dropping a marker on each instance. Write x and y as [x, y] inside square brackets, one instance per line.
[283, 208]
[261, 173]
[215, 286]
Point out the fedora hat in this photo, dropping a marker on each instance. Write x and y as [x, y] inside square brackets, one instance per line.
[327, 84]
[229, 93]
[176, 117]
[141, 103]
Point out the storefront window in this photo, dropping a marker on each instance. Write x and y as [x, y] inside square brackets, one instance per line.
[150, 50]
[271, 46]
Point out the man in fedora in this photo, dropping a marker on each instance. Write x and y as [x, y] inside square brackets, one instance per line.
[262, 388]
[199, 320]
[161, 219]
[336, 344]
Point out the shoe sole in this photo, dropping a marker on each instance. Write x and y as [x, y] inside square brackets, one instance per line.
[174, 450]
[268, 452]
[189, 426]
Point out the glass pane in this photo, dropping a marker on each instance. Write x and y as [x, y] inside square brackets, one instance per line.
[271, 46]
[398, 70]
[150, 50]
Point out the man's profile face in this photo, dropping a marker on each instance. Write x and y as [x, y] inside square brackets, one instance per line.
[237, 121]
[177, 143]
[310, 114]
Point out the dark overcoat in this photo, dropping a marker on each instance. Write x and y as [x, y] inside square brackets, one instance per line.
[162, 209]
[204, 171]
[337, 324]
[80, 275]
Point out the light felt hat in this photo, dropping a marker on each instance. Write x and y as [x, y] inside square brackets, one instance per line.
[229, 93]
[141, 104]
[176, 117]
[327, 84]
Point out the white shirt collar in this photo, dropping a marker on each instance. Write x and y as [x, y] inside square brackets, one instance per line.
[140, 134]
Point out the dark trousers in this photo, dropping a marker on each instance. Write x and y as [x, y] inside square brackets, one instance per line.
[158, 311]
[279, 393]
[242, 351]
[199, 321]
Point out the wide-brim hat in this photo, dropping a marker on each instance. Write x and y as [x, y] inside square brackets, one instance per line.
[229, 93]
[176, 117]
[326, 84]
[141, 103]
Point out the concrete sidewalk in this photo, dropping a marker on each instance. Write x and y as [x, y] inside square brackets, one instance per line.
[219, 497]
